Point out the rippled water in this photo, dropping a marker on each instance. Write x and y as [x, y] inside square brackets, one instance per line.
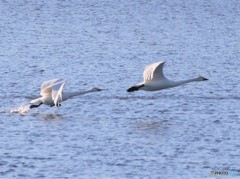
[184, 132]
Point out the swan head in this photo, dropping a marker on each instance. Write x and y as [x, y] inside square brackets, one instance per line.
[200, 78]
[95, 89]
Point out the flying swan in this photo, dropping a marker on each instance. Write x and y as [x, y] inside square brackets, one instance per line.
[154, 79]
[52, 93]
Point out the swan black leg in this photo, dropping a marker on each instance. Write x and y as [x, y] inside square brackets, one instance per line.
[34, 105]
[135, 88]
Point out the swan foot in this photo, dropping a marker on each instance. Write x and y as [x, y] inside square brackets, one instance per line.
[58, 105]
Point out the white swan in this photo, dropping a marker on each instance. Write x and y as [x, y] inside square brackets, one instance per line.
[52, 93]
[154, 79]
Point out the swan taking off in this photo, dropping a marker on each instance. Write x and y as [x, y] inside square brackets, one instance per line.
[154, 79]
[52, 93]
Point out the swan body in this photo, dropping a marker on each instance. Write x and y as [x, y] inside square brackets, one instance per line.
[154, 79]
[52, 93]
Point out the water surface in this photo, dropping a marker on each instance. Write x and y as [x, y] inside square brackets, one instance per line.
[184, 132]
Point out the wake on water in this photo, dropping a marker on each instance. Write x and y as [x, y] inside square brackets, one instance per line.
[23, 109]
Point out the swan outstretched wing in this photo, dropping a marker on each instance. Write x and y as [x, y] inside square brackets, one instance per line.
[49, 83]
[53, 88]
[154, 72]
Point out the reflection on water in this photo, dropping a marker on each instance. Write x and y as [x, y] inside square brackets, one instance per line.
[48, 116]
[148, 124]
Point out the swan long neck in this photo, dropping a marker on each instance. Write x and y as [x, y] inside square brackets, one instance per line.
[67, 95]
[177, 83]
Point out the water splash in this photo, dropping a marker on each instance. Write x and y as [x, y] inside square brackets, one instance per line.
[23, 109]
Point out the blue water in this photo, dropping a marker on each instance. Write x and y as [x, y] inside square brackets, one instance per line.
[183, 132]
